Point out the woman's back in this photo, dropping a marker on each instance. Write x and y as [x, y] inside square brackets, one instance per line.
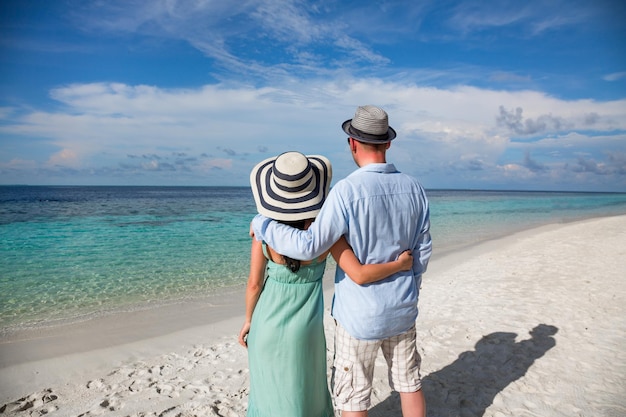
[286, 344]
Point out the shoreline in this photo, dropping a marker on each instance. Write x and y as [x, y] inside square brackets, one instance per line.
[549, 281]
[14, 333]
[145, 321]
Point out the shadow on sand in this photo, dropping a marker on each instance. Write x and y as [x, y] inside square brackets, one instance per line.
[466, 387]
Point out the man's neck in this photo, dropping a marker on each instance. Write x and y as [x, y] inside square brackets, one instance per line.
[371, 158]
[365, 154]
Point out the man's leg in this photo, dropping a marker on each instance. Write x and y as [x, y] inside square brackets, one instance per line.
[354, 414]
[413, 404]
[403, 362]
[353, 370]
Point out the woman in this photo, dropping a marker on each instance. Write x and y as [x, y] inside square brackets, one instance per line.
[284, 329]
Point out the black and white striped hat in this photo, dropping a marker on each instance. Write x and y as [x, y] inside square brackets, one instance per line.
[370, 125]
[291, 186]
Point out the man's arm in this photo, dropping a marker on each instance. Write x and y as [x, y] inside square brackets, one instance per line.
[424, 245]
[328, 227]
[287, 240]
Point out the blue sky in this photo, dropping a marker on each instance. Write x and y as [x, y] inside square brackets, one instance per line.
[489, 95]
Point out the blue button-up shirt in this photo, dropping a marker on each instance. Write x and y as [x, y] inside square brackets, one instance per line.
[381, 212]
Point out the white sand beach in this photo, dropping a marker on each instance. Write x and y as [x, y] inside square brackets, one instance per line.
[533, 324]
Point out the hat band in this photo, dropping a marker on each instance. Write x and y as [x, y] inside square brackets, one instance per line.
[359, 133]
[293, 183]
[292, 189]
[311, 194]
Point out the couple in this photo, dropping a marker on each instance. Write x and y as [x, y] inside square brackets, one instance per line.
[371, 218]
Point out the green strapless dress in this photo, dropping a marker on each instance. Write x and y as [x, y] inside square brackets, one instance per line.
[287, 346]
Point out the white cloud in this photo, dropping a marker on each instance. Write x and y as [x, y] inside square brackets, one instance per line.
[615, 76]
[65, 157]
[18, 164]
[288, 21]
[237, 34]
[187, 130]
[218, 163]
[535, 17]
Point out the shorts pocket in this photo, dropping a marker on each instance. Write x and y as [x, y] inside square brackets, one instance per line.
[342, 382]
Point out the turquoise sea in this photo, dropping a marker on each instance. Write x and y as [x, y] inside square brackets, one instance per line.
[70, 253]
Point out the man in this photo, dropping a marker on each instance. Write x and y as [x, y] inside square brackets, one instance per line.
[381, 212]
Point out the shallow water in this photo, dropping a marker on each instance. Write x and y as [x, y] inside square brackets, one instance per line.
[71, 252]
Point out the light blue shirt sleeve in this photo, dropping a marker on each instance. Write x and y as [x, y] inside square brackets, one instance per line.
[424, 246]
[328, 227]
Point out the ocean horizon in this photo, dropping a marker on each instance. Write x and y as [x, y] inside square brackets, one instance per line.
[68, 253]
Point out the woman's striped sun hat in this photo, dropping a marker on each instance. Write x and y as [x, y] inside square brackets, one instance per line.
[291, 186]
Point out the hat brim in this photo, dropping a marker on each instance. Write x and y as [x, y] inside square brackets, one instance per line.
[367, 138]
[278, 204]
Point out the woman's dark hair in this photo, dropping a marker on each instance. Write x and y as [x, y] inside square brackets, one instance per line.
[293, 264]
